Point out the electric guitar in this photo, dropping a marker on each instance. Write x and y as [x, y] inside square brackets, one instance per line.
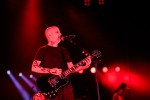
[50, 85]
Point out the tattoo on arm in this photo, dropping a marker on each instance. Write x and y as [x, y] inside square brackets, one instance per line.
[35, 64]
[42, 69]
[48, 70]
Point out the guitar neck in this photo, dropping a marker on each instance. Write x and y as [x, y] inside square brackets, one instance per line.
[73, 68]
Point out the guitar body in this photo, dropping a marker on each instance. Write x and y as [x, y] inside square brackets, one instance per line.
[50, 85]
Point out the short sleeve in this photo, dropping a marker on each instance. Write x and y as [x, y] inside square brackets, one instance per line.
[66, 55]
[39, 54]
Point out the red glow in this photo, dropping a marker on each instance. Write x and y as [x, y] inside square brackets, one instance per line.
[105, 69]
[29, 27]
[81, 71]
[135, 81]
[139, 81]
[111, 77]
[87, 2]
[117, 69]
[30, 18]
[126, 78]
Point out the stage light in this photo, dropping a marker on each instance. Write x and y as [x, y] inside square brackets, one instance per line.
[8, 72]
[27, 81]
[93, 70]
[117, 69]
[81, 71]
[31, 76]
[105, 69]
[87, 2]
[101, 2]
[20, 74]
[25, 95]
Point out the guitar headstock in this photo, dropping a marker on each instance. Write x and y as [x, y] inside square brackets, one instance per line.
[96, 54]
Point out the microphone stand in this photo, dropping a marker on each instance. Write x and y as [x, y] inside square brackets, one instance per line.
[96, 61]
[96, 76]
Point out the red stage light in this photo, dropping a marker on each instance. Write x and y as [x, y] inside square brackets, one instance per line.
[117, 69]
[105, 69]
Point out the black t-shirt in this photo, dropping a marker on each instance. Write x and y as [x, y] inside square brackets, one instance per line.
[52, 57]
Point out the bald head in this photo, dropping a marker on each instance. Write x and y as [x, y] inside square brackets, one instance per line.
[50, 30]
[53, 34]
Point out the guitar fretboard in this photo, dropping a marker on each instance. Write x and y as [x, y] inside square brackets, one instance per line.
[72, 69]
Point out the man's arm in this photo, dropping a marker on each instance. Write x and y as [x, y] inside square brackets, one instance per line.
[39, 69]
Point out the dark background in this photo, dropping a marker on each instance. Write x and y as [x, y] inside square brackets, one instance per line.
[119, 29]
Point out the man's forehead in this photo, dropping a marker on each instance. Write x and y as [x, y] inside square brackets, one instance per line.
[52, 29]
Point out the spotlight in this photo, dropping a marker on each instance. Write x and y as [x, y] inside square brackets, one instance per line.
[117, 69]
[20, 74]
[20, 88]
[81, 71]
[8, 72]
[93, 70]
[31, 76]
[105, 69]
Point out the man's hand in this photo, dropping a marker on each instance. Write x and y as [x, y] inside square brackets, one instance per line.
[86, 64]
[88, 61]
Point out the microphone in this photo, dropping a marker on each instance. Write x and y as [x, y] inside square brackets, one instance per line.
[67, 37]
